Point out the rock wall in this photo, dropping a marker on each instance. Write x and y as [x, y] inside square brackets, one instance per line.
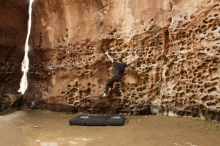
[64, 22]
[69, 39]
[190, 77]
[13, 19]
[177, 43]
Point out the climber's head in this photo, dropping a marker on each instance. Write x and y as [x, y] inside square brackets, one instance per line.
[120, 59]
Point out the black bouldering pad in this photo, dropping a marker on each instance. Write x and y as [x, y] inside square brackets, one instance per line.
[85, 120]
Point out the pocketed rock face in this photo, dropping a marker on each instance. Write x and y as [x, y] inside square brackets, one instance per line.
[67, 62]
[177, 42]
[13, 19]
[190, 77]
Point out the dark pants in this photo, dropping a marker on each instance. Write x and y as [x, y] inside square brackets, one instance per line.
[111, 82]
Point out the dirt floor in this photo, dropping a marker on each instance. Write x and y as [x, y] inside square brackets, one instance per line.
[42, 128]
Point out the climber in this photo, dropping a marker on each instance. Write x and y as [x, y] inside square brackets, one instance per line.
[119, 68]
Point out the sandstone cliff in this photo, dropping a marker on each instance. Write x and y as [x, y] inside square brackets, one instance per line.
[13, 20]
[177, 43]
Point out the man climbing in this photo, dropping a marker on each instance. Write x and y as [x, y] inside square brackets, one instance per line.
[119, 68]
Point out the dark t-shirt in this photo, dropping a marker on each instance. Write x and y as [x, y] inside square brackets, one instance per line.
[119, 68]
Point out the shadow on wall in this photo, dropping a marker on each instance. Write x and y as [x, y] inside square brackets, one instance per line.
[13, 25]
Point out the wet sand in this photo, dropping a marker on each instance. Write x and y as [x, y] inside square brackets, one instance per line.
[41, 128]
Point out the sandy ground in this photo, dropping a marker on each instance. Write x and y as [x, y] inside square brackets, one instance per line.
[42, 128]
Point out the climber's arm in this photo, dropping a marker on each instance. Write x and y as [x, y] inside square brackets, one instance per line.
[110, 58]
